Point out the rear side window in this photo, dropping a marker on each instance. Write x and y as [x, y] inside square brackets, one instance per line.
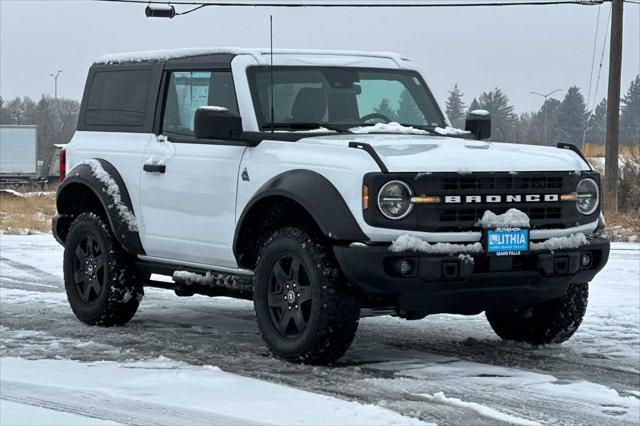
[118, 98]
[189, 90]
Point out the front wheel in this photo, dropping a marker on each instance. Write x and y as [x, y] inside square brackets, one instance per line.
[554, 321]
[304, 310]
[100, 279]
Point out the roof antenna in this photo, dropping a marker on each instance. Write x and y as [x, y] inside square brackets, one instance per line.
[271, 69]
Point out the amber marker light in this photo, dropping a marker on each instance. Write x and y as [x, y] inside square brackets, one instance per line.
[425, 200]
[365, 197]
[569, 197]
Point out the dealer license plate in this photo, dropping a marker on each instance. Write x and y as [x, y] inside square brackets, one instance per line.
[507, 241]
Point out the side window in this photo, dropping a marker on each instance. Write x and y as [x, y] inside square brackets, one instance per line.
[189, 90]
[118, 98]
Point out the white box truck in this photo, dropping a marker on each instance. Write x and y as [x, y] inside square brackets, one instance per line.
[18, 153]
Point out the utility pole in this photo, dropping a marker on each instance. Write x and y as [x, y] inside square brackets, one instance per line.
[544, 107]
[613, 109]
[55, 80]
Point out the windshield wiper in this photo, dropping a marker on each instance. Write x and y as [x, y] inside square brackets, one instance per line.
[304, 126]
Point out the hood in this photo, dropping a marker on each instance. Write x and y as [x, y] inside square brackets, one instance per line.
[418, 153]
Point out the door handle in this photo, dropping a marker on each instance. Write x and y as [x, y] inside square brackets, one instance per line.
[154, 168]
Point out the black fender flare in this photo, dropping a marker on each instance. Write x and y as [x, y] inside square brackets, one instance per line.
[317, 195]
[116, 202]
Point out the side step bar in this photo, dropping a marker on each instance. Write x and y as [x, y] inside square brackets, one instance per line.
[190, 280]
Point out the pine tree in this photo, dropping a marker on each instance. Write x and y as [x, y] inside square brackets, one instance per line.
[408, 111]
[503, 118]
[546, 120]
[455, 107]
[597, 124]
[630, 119]
[385, 109]
[572, 117]
[474, 105]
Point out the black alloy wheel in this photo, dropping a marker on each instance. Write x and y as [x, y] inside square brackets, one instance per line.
[289, 296]
[89, 273]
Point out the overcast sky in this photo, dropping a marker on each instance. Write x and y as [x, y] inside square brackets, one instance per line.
[519, 49]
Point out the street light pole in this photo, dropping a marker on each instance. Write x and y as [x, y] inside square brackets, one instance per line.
[55, 82]
[545, 110]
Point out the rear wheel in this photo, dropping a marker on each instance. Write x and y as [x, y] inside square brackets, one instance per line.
[554, 321]
[304, 310]
[100, 280]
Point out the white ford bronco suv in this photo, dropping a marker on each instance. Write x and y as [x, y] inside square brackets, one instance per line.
[324, 186]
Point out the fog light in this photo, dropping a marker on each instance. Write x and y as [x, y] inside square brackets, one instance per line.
[586, 260]
[406, 267]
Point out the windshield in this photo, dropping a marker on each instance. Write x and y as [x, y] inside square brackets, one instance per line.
[340, 98]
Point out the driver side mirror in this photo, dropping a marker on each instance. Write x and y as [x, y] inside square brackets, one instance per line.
[214, 122]
[479, 124]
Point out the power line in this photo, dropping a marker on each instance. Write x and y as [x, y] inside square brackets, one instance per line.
[355, 4]
[604, 45]
[593, 57]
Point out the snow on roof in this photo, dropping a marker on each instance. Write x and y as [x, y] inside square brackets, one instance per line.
[167, 54]
[480, 112]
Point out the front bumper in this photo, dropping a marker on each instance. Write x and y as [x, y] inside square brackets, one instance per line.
[454, 284]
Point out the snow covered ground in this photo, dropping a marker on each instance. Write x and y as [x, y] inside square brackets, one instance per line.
[200, 360]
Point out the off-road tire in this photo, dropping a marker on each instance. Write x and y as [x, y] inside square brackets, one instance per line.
[118, 290]
[550, 322]
[334, 313]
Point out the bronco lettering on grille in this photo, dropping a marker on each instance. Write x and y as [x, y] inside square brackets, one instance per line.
[479, 199]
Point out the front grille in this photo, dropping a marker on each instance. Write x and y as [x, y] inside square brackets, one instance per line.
[507, 183]
[474, 215]
[463, 217]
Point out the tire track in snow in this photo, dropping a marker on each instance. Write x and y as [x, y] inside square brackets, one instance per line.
[39, 275]
[106, 407]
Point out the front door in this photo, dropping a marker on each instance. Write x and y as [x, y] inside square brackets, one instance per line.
[188, 190]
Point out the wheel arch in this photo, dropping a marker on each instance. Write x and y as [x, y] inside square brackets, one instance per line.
[85, 191]
[286, 200]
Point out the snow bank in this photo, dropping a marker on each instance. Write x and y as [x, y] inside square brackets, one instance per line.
[162, 391]
[451, 131]
[12, 193]
[512, 218]
[484, 411]
[411, 243]
[559, 243]
[114, 191]
[43, 194]
[18, 414]
[392, 127]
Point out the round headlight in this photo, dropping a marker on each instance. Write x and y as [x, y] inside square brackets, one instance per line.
[588, 196]
[394, 200]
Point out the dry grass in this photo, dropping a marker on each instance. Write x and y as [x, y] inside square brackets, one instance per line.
[591, 150]
[22, 215]
[622, 226]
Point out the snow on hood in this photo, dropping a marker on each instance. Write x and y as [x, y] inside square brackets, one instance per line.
[432, 153]
[392, 127]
